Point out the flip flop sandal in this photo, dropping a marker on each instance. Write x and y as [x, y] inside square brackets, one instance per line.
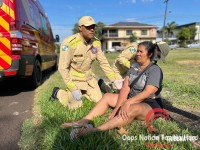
[74, 134]
[77, 125]
[72, 124]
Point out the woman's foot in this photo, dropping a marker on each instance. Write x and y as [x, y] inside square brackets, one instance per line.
[76, 133]
[79, 123]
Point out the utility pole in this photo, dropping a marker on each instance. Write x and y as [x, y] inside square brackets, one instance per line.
[165, 16]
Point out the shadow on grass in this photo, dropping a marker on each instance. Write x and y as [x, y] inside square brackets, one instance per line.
[182, 116]
[168, 106]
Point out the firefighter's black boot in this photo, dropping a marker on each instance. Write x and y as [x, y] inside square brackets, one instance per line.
[105, 87]
[54, 94]
[100, 82]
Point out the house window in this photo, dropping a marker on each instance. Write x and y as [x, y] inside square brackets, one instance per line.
[104, 33]
[129, 32]
[113, 33]
[114, 44]
[143, 32]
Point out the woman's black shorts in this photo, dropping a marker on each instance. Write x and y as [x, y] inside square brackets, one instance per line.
[154, 103]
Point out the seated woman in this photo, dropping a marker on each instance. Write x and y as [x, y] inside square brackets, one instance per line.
[132, 102]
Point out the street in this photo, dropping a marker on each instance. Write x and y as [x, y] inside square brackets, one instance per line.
[16, 103]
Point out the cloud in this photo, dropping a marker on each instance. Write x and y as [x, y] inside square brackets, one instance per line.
[159, 24]
[133, 1]
[69, 7]
[127, 1]
[147, 1]
[131, 20]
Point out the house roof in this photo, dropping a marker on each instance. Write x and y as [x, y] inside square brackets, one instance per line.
[187, 25]
[130, 24]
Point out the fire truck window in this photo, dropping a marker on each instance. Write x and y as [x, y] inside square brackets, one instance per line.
[44, 24]
[31, 12]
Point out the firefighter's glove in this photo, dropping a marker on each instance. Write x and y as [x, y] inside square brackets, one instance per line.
[77, 95]
[118, 83]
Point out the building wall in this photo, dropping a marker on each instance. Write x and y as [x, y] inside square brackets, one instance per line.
[121, 33]
[150, 32]
[153, 32]
[197, 37]
[107, 42]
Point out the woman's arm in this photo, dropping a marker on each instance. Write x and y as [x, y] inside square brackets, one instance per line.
[146, 93]
[121, 97]
[123, 92]
[153, 84]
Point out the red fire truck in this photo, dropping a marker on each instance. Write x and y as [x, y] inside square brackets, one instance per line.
[26, 41]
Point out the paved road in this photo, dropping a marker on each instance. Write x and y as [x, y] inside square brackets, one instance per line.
[15, 105]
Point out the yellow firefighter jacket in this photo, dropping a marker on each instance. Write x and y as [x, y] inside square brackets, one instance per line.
[125, 59]
[76, 58]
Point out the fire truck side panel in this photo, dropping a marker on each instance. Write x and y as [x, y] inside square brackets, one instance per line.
[25, 37]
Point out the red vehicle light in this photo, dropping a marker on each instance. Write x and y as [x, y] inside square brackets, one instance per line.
[10, 73]
[16, 57]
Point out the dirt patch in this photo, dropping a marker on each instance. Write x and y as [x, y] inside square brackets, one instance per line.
[189, 62]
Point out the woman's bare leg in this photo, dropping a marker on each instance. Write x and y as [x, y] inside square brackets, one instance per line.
[108, 100]
[136, 111]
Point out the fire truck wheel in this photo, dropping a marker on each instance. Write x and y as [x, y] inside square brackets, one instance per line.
[36, 78]
[55, 67]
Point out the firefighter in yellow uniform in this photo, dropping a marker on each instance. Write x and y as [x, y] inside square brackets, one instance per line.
[125, 59]
[77, 53]
[120, 66]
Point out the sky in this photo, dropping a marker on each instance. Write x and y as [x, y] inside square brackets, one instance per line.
[63, 14]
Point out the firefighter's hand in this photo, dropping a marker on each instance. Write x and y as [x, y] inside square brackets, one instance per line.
[118, 83]
[77, 95]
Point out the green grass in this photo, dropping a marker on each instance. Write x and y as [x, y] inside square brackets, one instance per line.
[181, 88]
[181, 78]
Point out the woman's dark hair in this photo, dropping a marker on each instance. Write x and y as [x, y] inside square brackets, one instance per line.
[150, 48]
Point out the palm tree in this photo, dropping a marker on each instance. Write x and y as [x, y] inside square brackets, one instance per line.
[170, 28]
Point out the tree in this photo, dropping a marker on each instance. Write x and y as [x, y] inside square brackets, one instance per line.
[98, 29]
[193, 30]
[133, 37]
[75, 29]
[184, 35]
[58, 48]
[187, 34]
[170, 28]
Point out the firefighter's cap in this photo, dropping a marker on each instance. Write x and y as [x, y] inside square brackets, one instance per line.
[86, 21]
[164, 48]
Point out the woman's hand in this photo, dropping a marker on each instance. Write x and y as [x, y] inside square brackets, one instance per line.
[122, 96]
[114, 112]
[124, 110]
